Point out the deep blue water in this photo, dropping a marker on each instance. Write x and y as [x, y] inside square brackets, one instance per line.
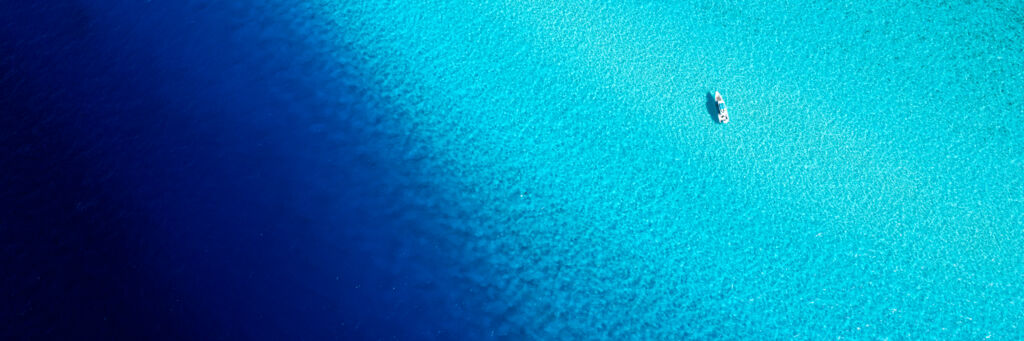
[196, 170]
[326, 169]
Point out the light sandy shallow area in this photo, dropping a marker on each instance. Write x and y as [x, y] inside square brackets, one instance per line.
[870, 184]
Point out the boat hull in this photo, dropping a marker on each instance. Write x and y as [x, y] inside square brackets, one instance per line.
[723, 112]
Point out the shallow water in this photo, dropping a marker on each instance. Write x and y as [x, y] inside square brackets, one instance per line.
[323, 169]
[870, 184]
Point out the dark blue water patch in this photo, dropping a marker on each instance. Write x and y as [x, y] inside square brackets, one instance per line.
[68, 249]
[189, 170]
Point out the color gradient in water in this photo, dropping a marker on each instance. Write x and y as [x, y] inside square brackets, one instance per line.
[324, 169]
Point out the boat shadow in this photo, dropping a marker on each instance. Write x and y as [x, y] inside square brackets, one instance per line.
[712, 106]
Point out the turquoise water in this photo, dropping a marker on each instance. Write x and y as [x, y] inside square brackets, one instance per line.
[869, 186]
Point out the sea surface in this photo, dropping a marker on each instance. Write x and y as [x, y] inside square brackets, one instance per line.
[552, 170]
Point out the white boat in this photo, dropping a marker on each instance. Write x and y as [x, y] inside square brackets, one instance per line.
[723, 113]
